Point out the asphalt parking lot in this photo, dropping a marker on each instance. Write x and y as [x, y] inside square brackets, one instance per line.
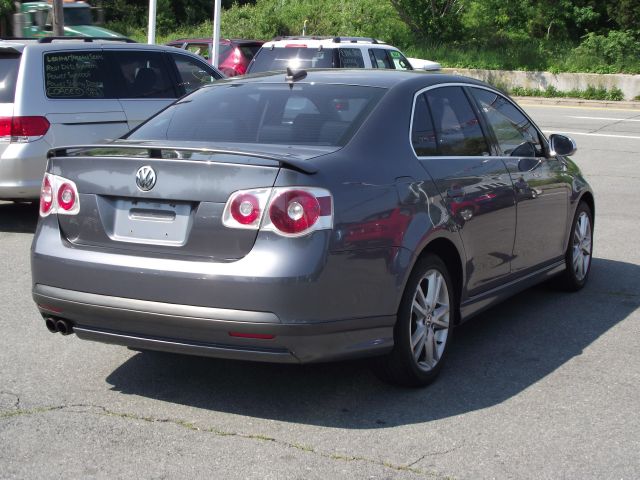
[544, 386]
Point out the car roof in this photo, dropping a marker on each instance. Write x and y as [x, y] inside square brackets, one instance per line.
[327, 42]
[238, 41]
[19, 45]
[382, 78]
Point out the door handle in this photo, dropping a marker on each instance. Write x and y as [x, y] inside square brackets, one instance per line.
[455, 193]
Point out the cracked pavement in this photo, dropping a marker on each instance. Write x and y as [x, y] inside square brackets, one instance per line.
[542, 386]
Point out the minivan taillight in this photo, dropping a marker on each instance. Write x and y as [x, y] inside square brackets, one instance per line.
[287, 211]
[23, 129]
[58, 195]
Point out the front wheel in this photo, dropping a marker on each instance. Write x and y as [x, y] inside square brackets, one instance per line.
[423, 328]
[579, 251]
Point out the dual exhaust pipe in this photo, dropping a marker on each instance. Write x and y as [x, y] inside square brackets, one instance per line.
[59, 325]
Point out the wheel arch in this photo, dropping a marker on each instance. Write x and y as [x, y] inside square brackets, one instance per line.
[587, 197]
[452, 258]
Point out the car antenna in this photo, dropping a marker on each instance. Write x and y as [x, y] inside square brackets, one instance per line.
[294, 76]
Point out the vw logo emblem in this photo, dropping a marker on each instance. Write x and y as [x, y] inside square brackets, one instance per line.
[145, 178]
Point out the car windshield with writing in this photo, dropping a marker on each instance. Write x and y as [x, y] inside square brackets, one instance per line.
[304, 114]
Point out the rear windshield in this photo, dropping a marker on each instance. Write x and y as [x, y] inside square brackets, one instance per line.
[9, 64]
[295, 57]
[306, 114]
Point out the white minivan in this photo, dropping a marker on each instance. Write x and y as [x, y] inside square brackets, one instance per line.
[56, 92]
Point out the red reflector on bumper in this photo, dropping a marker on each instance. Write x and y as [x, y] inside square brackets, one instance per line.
[49, 308]
[260, 336]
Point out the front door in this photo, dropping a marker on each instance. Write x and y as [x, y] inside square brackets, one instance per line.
[541, 188]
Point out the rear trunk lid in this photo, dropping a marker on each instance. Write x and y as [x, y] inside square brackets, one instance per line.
[181, 215]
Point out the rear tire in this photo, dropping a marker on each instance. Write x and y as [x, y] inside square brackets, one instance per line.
[423, 328]
[579, 251]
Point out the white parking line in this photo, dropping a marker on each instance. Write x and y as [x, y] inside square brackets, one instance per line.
[608, 118]
[593, 134]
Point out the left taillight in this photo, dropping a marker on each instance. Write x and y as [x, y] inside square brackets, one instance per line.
[58, 195]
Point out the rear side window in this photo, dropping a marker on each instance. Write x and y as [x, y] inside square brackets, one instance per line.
[143, 75]
[351, 58]
[9, 65]
[78, 75]
[456, 125]
[305, 114]
[423, 135]
[379, 58]
[295, 57]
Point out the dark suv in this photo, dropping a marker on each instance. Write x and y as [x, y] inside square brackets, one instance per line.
[234, 57]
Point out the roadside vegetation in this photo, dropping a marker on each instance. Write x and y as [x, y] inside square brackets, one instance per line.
[551, 35]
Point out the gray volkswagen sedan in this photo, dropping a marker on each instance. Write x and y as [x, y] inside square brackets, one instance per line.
[309, 217]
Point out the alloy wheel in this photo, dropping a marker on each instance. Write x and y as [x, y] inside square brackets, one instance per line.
[430, 314]
[582, 246]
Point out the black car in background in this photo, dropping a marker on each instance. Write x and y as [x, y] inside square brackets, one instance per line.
[309, 217]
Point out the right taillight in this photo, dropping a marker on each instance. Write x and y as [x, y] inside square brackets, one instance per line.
[23, 129]
[287, 211]
[58, 195]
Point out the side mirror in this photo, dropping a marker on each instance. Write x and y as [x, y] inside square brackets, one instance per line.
[561, 145]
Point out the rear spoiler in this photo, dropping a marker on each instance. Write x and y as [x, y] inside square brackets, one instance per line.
[171, 153]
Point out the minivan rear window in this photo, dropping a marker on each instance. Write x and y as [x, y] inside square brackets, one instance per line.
[9, 65]
[303, 114]
[77, 75]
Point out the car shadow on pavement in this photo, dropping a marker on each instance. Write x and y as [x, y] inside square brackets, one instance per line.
[495, 356]
[18, 217]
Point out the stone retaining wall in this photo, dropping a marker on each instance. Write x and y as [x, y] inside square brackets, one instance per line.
[629, 84]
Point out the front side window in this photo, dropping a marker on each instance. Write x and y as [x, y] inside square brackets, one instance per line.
[192, 73]
[399, 60]
[78, 75]
[351, 58]
[305, 114]
[144, 75]
[516, 135]
[456, 126]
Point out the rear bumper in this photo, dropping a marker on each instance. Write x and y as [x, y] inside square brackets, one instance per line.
[204, 331]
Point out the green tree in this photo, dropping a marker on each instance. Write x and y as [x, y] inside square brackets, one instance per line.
[438, 20]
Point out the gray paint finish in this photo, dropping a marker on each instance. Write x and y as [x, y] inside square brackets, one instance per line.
[388, 206]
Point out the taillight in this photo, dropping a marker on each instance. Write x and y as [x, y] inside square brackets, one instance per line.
[58, 195]
[290, 211]
[294, 211]
[23, 129]
[46, 196]
[244, 208]
[66, 197]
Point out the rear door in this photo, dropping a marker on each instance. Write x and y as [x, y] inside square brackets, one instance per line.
[448, 139]
[146, 82]
[80, 98]
[542, 189]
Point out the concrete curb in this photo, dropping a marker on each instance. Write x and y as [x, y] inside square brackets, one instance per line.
[578, 102]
